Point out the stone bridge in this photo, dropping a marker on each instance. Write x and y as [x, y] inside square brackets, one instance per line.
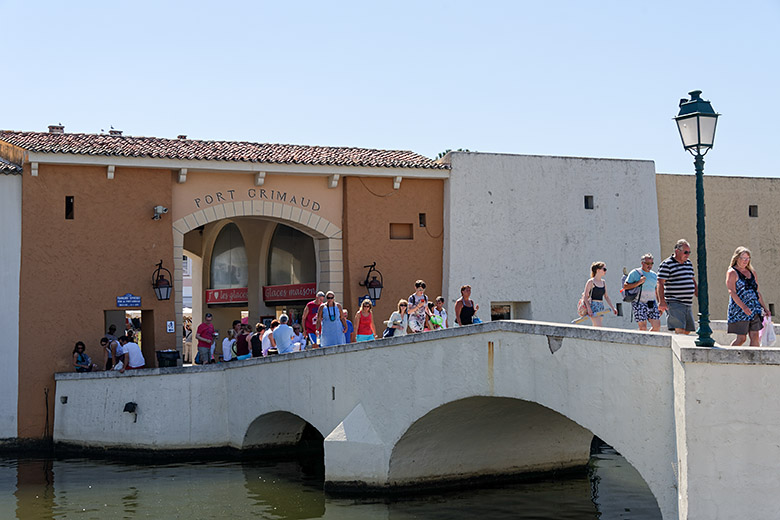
[699, 425]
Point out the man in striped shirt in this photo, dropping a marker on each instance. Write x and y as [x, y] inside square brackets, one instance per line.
[676, 289]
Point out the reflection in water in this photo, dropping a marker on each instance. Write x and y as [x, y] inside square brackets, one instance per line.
[292, 490]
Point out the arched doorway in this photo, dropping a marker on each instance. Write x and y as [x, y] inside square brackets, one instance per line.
[257, 223]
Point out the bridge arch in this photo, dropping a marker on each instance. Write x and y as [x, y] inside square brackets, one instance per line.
[327, 236]
[280, 429]
[485, 437]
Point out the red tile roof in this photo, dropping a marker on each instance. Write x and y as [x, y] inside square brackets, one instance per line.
[238, 151]
[9, 168]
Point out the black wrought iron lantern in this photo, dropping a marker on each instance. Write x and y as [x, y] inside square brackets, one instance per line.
[696, 123]
[373, 284]
[162, 285]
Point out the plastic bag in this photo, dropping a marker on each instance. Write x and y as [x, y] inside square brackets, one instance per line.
[767, 334]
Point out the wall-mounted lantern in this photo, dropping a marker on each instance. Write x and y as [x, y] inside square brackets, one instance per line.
[162, 285]
[371, 283]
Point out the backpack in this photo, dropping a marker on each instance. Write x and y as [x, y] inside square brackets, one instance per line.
[630, 295]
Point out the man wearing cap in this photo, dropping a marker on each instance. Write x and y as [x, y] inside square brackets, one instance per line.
[283, 335]
[205, 337]
[309, 318]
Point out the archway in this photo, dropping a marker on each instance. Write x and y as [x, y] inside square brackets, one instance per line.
[281, 430]
[491, 438]
[327, 235]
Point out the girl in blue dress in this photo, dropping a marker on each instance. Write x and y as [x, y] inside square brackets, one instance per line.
[746, 303]
[331, 323]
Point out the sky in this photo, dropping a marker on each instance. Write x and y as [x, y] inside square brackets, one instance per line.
[570, 78]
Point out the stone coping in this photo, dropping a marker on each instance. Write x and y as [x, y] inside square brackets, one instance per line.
[684, 347]
[554, 331]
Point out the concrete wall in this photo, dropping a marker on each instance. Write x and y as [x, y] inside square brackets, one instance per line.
[10, 265]
[517, 230]
[728, 421]
[371, 400]
[728, 226]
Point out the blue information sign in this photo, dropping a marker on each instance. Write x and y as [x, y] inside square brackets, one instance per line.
[128, 300]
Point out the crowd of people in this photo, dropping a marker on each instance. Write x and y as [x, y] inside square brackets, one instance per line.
[326, 323]
[672, 290]
[119, 353]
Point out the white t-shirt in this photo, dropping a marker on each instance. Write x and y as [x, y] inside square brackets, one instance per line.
[283, 335]
[227, 349]
[266, 340]
[443, 314]
[134, 356]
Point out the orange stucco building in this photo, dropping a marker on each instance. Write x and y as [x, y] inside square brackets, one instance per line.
[248, 218]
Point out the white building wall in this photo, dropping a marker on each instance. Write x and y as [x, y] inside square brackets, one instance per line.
[516, 229]
[10, 265]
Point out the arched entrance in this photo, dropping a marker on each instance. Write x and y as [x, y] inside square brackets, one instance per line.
[327, 238]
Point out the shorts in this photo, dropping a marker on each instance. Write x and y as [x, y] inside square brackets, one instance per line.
[205, 355]
[742, 328]
[596, 306]
[416, 326]
[312, 338]
[644, 311]
[680, 316]
[365, 337]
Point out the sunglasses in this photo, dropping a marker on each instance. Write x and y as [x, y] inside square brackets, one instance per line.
[404, 305]
[686, 252]
[420, 285]
[366, 305]
[604, 269]
[330, 297]
[648, 262]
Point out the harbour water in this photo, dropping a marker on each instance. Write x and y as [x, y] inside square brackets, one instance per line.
[79, 488]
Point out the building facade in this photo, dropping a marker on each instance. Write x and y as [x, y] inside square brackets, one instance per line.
[87, 218]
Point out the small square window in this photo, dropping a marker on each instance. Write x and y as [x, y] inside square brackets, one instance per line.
[619, 307]
[589, 202]
[401, 232]
[753, 211]
[772, 309]
[422, 219]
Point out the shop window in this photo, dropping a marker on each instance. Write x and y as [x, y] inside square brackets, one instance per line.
[229, 267]
[753, 211]
[589, 202]
[401, 232]
[291, 258]
[69, 204]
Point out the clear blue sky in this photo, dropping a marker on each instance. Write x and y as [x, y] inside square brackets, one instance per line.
[596, 79]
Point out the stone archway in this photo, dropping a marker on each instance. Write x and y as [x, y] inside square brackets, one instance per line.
[327, 235]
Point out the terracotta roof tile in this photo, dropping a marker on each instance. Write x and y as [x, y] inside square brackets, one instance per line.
[239, 151]
[9, 168]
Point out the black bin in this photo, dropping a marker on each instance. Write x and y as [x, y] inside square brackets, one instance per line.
[167, 358]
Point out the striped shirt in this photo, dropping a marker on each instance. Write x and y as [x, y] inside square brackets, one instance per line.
[679, 285]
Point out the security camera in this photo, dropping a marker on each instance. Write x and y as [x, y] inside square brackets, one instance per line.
[159, 211]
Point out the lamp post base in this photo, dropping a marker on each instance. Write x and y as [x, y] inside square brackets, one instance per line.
[704, 332]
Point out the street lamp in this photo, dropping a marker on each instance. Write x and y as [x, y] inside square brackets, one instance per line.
[374, 286]
[696, 123]
[162, 286]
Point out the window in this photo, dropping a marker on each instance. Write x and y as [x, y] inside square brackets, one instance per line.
[291, 257]
[186, 266]
[401, 232]
[589, 202]
[229, 267]
[753, 211]
[510, 311]
[422, 219]
[772, 309]
[69, 203]
[619, 307]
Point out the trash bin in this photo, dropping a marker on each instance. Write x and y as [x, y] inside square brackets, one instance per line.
[167, 358]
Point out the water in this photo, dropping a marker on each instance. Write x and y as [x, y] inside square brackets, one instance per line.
[103, 489]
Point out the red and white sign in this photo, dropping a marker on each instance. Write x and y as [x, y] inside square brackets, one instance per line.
[238, 295]
[282, 293]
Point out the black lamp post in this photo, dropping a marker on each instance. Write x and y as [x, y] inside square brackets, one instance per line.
[374, 286]
[696, 123]
[162, 285]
